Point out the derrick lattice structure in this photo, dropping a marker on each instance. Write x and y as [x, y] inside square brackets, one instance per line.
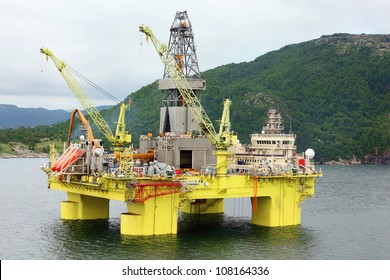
[221, 140]
[182, 48]
[184, 87]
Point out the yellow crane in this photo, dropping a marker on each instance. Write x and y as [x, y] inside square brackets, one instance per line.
[221, 140]
[121, 137]
[225, 135]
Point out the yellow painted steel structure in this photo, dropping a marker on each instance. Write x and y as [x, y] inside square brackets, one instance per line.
[276, 200]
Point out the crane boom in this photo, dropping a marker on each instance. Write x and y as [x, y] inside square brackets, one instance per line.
[81, 95]
[224, 138]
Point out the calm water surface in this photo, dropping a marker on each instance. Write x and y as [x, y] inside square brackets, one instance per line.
[349, 218]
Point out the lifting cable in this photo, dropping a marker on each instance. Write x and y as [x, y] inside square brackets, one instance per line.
[106, 93]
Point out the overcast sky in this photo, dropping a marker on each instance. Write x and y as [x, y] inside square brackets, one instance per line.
[100, 39]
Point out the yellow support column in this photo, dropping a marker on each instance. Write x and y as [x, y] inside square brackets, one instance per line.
[156, 215]
[69, 210]
[83, 207]
[280, 207]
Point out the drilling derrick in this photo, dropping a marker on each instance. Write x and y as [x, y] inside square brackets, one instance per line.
[182, 47]
[182, 142]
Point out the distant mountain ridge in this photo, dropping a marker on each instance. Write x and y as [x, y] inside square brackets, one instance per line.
[12, 116]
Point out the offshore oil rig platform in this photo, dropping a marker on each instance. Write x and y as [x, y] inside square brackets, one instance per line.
[189, 166]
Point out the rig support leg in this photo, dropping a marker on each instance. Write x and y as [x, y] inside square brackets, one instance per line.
[275, 211]
[84, 207]
[279, 202]
[210, 206]
[157, 215]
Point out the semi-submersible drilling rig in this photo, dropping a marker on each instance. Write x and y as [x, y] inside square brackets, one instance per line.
[189, 166]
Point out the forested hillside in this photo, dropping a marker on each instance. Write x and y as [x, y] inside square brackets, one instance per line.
[335, 90]
[334, 93]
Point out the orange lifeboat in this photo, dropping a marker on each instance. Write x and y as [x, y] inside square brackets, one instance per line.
[71, 158]
[61, 158]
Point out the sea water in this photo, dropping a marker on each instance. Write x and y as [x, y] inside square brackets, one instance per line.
[349, 218]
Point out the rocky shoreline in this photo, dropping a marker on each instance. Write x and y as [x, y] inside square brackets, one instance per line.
[353, 161]
[19, 150]
[30, 155]
[368, 159]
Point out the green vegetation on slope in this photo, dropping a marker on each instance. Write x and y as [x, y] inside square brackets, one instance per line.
[334, 93]
[35, 138]
[335, 90]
